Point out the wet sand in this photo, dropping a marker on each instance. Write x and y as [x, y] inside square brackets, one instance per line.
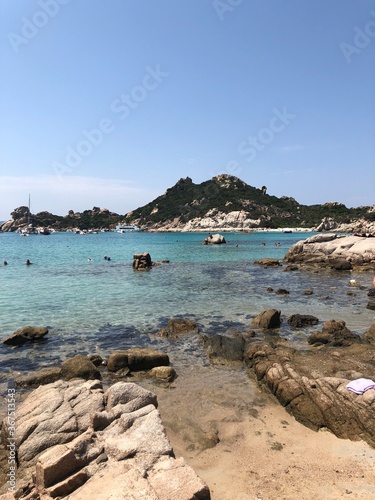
[246, 446]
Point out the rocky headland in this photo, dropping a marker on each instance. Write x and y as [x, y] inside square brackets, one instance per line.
[334, 251]
[223, 203]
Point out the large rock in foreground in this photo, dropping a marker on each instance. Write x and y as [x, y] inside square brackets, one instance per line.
[76, 441]
[311, 382]
[312, 385]
[333, 251]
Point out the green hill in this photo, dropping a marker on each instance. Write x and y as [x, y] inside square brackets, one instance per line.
[224, 201]
[226, 194]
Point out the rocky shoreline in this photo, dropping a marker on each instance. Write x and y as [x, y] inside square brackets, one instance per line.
[88, 427]
[337, 252]
[75, 436]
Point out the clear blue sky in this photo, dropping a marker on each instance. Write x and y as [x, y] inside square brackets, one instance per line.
[109, 103]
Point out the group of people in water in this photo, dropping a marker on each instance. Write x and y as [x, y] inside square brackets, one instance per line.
[105, 258]
[28, 262]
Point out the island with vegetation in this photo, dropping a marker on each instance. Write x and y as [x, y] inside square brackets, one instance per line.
[224, 203]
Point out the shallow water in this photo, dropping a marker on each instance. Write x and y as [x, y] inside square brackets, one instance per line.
[97, 306]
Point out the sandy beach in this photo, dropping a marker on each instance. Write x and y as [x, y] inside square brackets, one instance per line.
[247, 447]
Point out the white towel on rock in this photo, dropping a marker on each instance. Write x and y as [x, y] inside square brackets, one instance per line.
[360, 385]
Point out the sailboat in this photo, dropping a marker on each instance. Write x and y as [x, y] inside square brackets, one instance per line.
[29, 229]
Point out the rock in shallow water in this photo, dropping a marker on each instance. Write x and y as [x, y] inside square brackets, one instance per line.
[26, 334]
[79, 367]
[267, 320]
[334, 333]
[136, 359]
[214, 239]
[178, 326]
[301, 320]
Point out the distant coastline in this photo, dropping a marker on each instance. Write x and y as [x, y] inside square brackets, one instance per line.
[224, 203]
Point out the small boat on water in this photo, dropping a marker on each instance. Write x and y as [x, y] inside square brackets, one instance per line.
[30, 228]
[127, 228]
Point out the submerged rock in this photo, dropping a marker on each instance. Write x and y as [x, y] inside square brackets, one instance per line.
[162, 373]
[136, 359]
[26, 334]
[268, 262]
[178, 326]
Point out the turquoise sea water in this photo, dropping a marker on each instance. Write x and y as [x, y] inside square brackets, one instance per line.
[92, 305]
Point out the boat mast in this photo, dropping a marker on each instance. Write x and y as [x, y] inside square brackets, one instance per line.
[28, 215]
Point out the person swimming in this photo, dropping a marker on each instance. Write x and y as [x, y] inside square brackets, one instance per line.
[28, 263]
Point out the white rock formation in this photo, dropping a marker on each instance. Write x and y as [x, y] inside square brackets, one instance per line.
[354, 249]
[79, 442]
